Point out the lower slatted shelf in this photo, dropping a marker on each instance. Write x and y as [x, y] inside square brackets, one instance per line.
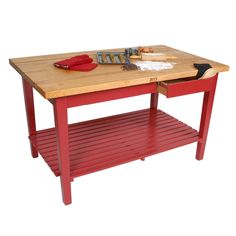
[106, 142]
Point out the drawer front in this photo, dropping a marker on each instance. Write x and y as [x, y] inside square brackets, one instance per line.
[184, 87]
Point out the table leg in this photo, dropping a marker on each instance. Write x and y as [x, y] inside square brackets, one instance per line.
[30, 114]
[153, 105]
[154, 100]
[208, 100]
[61, 124]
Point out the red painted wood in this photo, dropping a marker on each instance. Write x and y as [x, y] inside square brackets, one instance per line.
[119, 158]
[106, 142]
[153, 105]
[208, 101]
[30, 114]
[154, 100]
[189, 87]
[90, 146]
[107, 95]
[92, 132]
[112, 139]
[108, 151]
[61, 129]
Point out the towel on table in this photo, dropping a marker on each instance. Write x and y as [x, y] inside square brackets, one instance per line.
[79, 63]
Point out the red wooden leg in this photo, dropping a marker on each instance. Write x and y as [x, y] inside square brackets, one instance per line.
[154, 100]
[208, 100]
[61, 124]
[153, 105]
[30, 114]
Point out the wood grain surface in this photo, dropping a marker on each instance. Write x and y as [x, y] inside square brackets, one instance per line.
[52, 82]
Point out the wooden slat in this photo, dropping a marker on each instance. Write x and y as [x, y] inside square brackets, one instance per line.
[109, 138]
[106, 142]
[106, 150]
[52, 82]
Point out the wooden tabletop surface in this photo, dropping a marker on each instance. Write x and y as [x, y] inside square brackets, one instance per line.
[52, 82]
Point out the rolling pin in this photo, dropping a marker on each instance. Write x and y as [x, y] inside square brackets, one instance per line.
[209, 73]
[152, 57]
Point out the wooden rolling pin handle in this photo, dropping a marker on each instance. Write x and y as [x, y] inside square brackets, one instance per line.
[135, 57]
[209, 73]
[151, 57]
[146, 57]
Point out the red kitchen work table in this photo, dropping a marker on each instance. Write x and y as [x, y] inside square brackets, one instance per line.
[73, 150]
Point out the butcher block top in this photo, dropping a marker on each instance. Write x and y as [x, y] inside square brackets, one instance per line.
[52, 82]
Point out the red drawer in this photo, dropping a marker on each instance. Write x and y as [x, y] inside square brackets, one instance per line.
[179, 87]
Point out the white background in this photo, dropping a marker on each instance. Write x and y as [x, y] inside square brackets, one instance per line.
[168, 194]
